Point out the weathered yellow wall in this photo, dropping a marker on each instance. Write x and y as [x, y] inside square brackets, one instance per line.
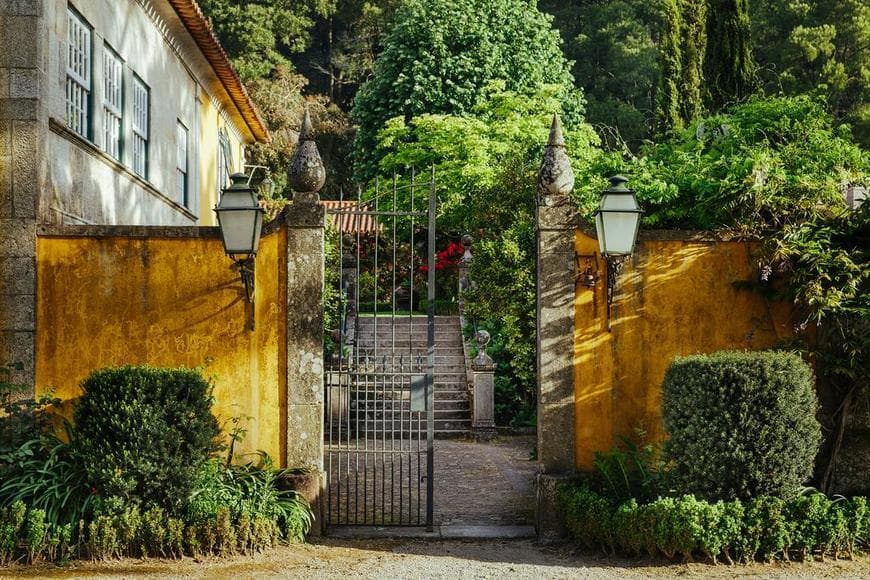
[674, 298]
[167, 302]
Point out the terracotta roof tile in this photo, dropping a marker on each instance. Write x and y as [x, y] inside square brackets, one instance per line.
[197, 24]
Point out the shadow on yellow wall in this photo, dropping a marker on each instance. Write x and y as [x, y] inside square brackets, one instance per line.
[109, 301]
[674, 297]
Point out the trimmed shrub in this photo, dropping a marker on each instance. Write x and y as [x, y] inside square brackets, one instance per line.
[741, 424]
[588, 516]
[144, 433]
[764, 528]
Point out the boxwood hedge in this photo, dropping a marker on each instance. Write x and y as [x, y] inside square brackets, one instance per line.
[740, 424]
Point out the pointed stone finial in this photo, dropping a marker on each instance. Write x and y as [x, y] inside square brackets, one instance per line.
[306, 173]
[555, 176]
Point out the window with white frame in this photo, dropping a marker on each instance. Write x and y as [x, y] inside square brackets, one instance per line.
[113, 98]
[181, 177]
[141, 118]
[78, 74]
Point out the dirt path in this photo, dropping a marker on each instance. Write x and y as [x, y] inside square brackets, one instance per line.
[389, 559]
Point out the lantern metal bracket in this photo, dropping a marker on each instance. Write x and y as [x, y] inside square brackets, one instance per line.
[246, 271]
[585, 271]
[614, 267]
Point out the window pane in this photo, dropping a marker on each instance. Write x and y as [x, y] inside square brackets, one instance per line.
[78, 73]
[141, 97]
[181, 163]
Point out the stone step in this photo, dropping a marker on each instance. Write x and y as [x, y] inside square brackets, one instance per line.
[423, 321]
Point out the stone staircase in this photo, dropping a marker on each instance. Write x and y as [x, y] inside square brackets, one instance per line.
[379, 411]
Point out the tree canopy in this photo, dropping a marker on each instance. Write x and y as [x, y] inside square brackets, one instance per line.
[440, 54]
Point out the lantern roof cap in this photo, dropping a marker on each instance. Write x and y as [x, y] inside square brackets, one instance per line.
[239, 181]
[617, 184]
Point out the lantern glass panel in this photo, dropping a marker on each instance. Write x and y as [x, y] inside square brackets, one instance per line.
[619, 230]
[240, 229]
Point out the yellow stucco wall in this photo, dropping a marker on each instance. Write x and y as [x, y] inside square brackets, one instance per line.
[211, 122]
[167, 302]
[674, 298]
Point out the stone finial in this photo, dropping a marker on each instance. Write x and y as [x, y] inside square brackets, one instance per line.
[306, 173]
[555, 177]
[466, 244]
[482, 361]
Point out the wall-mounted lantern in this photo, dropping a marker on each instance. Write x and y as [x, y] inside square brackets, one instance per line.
[616, 223]
[241, 221]
[263, 184]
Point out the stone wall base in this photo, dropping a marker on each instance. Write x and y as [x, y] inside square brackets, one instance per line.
[549, 524]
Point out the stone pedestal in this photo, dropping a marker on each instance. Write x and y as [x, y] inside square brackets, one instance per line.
[483, 422]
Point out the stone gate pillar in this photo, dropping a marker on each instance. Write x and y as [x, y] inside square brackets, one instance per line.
[305, 279]
[23, 174]
[557, 221]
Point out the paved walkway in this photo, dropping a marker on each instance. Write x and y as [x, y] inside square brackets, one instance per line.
[485, 483]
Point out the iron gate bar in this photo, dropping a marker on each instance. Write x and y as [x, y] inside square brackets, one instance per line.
[368, 389]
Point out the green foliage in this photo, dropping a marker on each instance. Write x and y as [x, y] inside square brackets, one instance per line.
[588, 516]
[440, 55]
[250, 492]
[817, 47]
[260, 35]
[144, 433]
[741, 424]
[686, 527]
[36, 467]
[763, 164]
[51, 480]
[629, 471]
[614, 47]
[332, 300]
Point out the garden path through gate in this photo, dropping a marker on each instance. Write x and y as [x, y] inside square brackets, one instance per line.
[379, 381]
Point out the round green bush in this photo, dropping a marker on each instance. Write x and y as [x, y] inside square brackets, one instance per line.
[741, 424]
[144, 433]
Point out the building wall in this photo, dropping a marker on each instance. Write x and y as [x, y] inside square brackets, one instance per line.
[212, 121]
[675, 297]
[110, 299]
[84, 184]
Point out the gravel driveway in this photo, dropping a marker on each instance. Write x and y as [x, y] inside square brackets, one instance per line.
[393, 559]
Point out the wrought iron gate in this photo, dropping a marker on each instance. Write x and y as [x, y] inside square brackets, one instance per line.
[379, 413]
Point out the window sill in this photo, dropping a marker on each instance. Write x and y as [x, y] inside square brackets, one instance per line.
[60, 128]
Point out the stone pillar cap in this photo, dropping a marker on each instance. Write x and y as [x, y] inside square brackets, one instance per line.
[555, 176]
[306, 173]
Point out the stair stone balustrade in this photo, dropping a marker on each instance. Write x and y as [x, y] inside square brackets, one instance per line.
[483, 367]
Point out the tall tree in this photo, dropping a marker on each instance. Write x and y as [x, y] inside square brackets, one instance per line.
[728, 65]
[805, 46]
[440, 54]
[260, 36]
[614, 48]
[694, 46]
[669, 114]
